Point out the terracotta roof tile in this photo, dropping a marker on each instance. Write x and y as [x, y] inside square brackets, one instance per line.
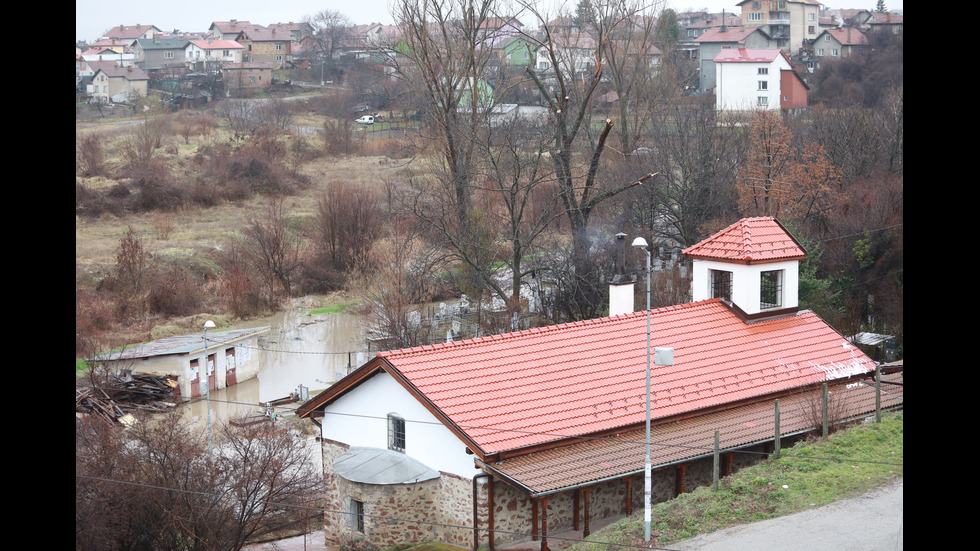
[586, 462]
[750, 239]
[530, 387]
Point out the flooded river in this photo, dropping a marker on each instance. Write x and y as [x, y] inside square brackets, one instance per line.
[299, 349]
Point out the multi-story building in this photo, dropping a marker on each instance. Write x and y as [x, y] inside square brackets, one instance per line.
[789, 22]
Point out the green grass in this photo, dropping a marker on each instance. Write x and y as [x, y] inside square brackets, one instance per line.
[808, 475]
[335, 309]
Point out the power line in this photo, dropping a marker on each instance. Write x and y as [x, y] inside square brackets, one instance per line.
[560, 436]
[488, 531]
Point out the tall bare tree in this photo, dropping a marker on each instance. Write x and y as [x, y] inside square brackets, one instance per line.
[328, 30]
[444, 64]
[568, 73]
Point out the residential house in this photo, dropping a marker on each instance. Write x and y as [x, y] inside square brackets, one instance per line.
[749, 80]
[247, 74]
[111, 82]
[714, 40]
[574, 54]
[887, 22]
[515, 52]
[519, 434]
[789, 22]
[296, 31]
[104, 45]
[160, 54]
[129, 34]
[839, 42]
[201, 53]
[231, 358]
[696, 25]
[266, 46]
[228, 30]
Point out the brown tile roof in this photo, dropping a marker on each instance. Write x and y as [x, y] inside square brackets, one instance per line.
[128, 31]
[731, 34]
[761, 239]
[591, 461]
[848, 36]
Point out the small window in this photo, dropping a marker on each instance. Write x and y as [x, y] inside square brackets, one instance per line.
[396, 433]
[763, 101]
[279, 47]
[355, 515]
[763, 70]
[721, 284]
[771, 289]
[763, 85]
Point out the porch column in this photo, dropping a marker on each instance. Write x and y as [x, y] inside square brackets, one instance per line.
[679, 472]
[575, 509]
[588, 494]
[534, 519]
[629, 496]
[544, 524]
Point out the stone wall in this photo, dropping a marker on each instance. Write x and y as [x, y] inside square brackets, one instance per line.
[441, 509]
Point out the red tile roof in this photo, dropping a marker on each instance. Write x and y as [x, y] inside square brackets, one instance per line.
[747, 55]
[589, 461]
[761, 239]
[507, 392]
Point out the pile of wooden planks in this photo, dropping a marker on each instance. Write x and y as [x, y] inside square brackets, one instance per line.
[122, 396]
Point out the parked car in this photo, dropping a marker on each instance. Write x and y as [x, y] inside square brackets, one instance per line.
[366, 119]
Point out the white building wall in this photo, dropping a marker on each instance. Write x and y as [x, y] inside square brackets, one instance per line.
[738, 86]
[746, 281]
[360, 418]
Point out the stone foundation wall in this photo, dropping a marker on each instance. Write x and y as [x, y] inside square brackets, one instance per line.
[441, 510]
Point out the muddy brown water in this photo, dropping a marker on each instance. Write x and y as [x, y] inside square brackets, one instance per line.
[310, 350]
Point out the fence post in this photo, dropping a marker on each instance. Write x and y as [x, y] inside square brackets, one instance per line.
[776, 437]
[877, 393]
[714, 478]
[825, 409]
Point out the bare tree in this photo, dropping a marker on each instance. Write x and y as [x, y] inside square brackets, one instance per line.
[131, 275]
[631, 62]
[568, 72]
[273, 247]
[156, 487]
[329, 29]
[445, 65]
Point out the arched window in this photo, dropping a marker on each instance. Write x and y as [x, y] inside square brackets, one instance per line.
[396, 432]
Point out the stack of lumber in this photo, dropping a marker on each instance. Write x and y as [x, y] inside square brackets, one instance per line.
[122, 396]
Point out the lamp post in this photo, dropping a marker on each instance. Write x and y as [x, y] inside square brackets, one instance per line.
[207, 378]
[647, 484]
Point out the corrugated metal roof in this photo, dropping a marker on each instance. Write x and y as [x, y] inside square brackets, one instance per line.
[522, 389]
[761, 239]
[588, 462]
[182, 344]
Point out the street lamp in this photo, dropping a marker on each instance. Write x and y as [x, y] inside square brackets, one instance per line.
[647, 484]
[207, 378]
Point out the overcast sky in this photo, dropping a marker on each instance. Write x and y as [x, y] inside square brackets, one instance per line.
[94, 17]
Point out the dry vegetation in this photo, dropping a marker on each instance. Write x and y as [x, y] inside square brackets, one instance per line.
[184, 187]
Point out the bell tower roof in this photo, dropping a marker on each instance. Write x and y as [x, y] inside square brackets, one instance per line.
[750, 240]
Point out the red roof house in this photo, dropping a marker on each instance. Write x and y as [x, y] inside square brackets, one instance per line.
[547, 424]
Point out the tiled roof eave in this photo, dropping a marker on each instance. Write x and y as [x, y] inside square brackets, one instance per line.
[582, 464]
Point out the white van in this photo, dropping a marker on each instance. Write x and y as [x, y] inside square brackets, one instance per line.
[366, 119]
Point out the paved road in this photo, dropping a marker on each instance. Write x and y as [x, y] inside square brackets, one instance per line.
[871, 522]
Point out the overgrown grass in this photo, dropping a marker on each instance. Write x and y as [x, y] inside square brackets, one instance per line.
[809, 474]
[335, 309]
